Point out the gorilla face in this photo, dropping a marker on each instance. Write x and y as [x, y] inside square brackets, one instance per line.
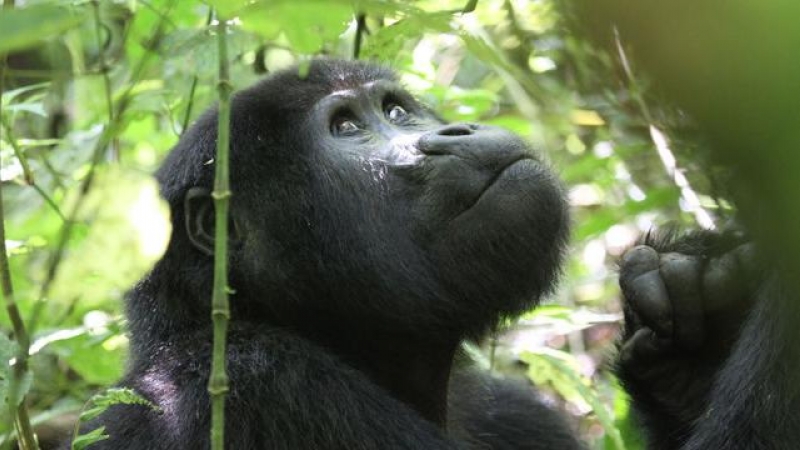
[355, 203]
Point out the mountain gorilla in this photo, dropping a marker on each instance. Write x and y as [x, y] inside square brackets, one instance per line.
[368, 240]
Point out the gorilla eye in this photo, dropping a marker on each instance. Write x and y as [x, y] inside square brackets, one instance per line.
[396, 113]
[343, 126]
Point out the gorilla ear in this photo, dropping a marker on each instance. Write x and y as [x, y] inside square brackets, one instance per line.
[199, 219]
[198, 212]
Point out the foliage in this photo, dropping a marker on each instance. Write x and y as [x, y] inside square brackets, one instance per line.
[97, 92]
[98, 404]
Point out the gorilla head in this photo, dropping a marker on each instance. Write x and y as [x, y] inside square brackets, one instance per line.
[357, 209]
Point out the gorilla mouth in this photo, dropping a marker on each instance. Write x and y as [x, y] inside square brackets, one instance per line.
[497, 176]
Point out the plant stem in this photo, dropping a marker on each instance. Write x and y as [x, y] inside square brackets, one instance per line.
[361, 28]
[220, 312]
[188, 114]
[18, 408]
[98, 27]
[27, 173]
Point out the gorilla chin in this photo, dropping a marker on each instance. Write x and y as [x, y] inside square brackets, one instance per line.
[517, 229]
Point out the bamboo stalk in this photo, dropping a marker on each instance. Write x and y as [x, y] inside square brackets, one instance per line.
[220, 311]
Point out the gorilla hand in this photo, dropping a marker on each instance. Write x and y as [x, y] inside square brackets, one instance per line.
[685, 301]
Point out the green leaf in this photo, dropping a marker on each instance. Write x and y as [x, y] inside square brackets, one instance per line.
[99, 404]
[84, 440]
[624, 421]
[97, 359]
[307, 25]
[386, 42]
[38, 90]
[25, 27]
[114, 396]
[8, 350]
[194, 51]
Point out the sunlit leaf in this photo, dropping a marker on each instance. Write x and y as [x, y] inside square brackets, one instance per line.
[586, 118]
[85, 440]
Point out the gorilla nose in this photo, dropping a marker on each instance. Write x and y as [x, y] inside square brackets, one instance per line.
[484, 147]
[456, 130]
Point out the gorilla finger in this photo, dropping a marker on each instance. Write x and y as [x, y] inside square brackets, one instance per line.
[681, 275]
[727, 278]
[645, 345]
[644, 290]
[636, 261]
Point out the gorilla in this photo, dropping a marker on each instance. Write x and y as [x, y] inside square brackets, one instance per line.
[369, 238]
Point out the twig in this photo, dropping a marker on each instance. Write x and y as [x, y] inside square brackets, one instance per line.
[188, 114]
[98, 27]
[27, 173]
[361, 28]
[220, 310]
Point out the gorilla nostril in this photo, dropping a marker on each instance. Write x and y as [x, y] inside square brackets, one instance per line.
[456, 130]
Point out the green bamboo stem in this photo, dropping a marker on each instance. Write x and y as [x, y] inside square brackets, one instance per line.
[220, 312]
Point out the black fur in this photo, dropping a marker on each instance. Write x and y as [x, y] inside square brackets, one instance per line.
[360, 262]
